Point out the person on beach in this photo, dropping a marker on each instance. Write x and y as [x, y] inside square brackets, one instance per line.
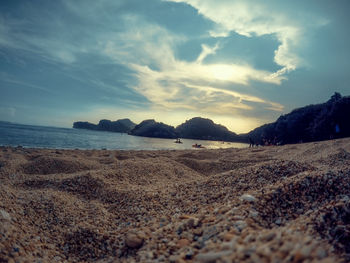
[251, 143]
[337, 131]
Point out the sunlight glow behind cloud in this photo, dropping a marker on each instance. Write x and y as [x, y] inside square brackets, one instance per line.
[253, 18]
[175, 84]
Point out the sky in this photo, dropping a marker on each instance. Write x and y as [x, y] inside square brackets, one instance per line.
[241, 63]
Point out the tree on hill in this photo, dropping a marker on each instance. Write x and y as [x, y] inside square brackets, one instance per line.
[310, 123]
[123, 125]
[205, 129]
[151, 128]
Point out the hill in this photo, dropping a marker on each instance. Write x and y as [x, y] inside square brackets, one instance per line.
[195, 128]
[311, 123]
[123, 125]
[205, 129]
[151, 128]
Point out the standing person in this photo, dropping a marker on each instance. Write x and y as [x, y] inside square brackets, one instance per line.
[251, 142]
[337, 131]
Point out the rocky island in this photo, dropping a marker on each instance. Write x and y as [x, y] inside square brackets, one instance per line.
[123, 125]
[205, 129]
[151, 128]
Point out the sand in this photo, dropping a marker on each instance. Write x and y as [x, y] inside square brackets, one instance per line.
[269, 204]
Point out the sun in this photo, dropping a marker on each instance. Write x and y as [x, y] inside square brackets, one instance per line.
[222, 72]
[229, 72]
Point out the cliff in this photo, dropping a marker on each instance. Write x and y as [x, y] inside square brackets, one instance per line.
[311, 123]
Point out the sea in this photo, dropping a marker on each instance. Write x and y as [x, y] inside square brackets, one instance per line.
[32, 136]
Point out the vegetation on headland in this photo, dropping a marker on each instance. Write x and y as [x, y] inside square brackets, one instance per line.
[195, 128]
[123, 125]
[205, 129]
[310, 123]
[151, 128]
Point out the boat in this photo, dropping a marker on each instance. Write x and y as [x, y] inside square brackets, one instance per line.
[178, 141]
[198, 146]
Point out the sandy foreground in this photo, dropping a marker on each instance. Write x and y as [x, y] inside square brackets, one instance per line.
[269, 204]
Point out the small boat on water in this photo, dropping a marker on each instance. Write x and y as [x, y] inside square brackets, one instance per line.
[178, 141]
[198, 146]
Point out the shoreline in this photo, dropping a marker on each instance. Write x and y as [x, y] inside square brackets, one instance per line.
[250, 204]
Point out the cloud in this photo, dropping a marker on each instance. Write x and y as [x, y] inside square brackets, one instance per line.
[100, 29]
[194, 85]
[142, 44]
[6, 113]
[4, 29]
[4, 77]
[255, 18]
[14, 34]
[206, 50]
[173, 84]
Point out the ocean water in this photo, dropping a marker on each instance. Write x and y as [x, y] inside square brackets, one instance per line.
[31, 136]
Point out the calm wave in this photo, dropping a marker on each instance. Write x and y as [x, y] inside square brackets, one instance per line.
[31, 136]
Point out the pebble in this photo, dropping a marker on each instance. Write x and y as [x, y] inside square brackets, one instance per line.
[180, 228]
[233, 211]
[321, 253]
[210, 257]
[298, 257]
[248, 251]
[278, 221]
[249, 238]
[268, 237]
[224, 209]
[184, 217]
[133, 240]
[209, 219]
[300, 211]
[4, 216]
[253, 213]
[192, 222]
[306, 251]
[209, 233]
[198, 231]
[248, 198]
[240, 225]
[57, 258]
[189, 254]
[229, 245]
[183, 242]
[228, 237]
[237, 217]
[173, 258]
[264, 250]
[5, 224]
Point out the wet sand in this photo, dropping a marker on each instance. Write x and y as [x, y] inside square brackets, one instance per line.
[269, 204]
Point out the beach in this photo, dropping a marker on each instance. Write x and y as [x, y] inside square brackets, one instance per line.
[286, 203]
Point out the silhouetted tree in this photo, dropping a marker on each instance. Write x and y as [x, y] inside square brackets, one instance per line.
[310, 123]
